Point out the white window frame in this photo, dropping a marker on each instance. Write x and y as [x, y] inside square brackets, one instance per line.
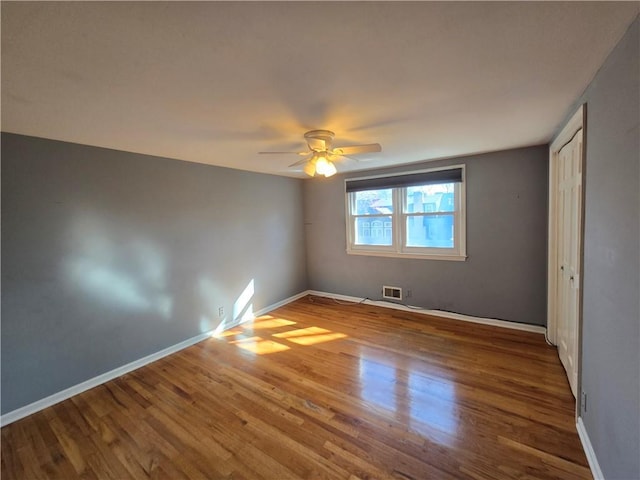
[397, 248]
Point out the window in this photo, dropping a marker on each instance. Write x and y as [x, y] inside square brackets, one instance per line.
[419, 215]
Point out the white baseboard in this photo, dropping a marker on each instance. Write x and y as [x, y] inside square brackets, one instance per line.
[588, 451]
[38, 405]
[34, 407]
[293, 298]
[439, 313]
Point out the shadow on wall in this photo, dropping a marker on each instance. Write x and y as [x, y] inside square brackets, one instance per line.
[130, 274]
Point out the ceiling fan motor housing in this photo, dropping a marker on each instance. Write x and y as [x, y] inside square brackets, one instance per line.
[323, 135]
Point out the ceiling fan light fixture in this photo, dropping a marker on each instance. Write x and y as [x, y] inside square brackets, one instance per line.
[321, 155]
[330, 170]
[322, 164]
[310, 168]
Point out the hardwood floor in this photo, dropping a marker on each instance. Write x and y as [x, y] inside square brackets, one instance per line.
[319, 390]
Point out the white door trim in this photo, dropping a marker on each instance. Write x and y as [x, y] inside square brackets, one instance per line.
[577, 122]
[573, 125]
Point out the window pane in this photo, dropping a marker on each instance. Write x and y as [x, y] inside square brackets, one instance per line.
[374, 202]
[430, 198]
[373, 231]
[434, 231]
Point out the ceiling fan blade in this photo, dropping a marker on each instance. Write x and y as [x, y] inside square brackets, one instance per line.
[355, 149]
[299, 162]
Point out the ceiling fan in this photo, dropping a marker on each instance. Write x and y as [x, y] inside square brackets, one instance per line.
[320, 155]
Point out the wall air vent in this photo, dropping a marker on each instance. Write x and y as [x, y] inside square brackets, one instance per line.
[393, 293]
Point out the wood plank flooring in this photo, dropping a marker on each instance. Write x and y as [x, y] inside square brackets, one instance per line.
[319, 390]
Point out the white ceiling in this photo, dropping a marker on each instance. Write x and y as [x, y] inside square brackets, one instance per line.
[216, 82]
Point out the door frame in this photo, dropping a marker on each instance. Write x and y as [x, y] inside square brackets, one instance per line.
[578, 121]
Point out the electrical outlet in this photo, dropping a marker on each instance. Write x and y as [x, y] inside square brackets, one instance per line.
[584, 402]
[221, 312]
[409, 293]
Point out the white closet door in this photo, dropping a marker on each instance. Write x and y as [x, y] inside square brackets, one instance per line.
[568, 241]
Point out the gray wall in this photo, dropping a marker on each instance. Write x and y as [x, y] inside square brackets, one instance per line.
[110, 256]
[611, 312]
[504, 275]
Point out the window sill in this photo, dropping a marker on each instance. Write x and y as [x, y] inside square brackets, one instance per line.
[372, 253]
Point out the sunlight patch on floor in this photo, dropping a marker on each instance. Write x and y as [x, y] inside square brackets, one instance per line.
[313, 339]
[260, 324]
[240, 335]
[301, 332]
[229, 333]
[309, 335]
[259, 345]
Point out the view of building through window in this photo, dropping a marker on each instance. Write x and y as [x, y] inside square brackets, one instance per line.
[427, 222]
[375, 226]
